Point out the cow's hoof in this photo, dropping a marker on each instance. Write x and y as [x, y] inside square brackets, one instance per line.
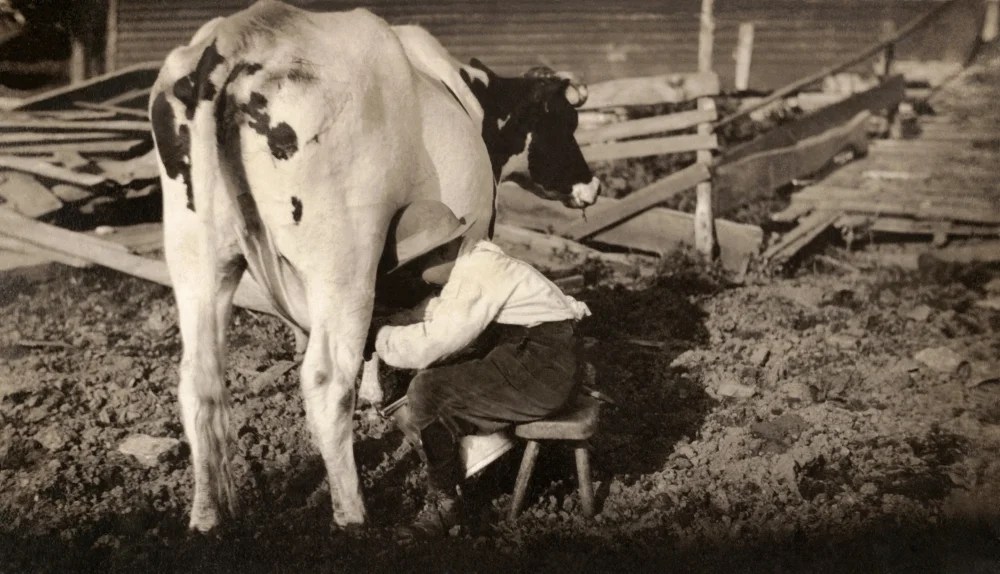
[352, 531]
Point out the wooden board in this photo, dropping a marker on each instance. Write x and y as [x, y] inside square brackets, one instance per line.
[647, 147]
[40, 254]
[103, 146]
[46, 169]
[22, 123]
[645, 126]
[937, 198]
[606, 214]
[113, 109]
[26, 137]
[111, 255]
[656, 230]
[888, 224]
[23, 194]
[760, 174]
[97, 89]
[884, 96]
[918, 207]
[792, 242]
[138, 238]
[648, 90]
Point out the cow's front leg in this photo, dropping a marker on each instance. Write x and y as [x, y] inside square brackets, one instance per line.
[331, 363]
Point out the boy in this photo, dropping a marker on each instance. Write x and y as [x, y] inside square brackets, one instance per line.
[528, 373]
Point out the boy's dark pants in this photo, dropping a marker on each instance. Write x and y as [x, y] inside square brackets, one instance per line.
[529, 374]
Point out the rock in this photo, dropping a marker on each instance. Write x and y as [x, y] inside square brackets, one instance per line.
[843, 341]
[798, 392]
[992, 303]
[943, 360]
[760, 356]
[52, 438]
[269, 377]
[158, 322]
[735, 390]
[920, 313]
[147, 449]
[784, 429]
[906, 365]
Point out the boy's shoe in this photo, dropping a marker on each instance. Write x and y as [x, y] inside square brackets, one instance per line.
[441, 512]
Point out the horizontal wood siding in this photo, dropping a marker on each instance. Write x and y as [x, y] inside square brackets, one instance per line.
[599, 40]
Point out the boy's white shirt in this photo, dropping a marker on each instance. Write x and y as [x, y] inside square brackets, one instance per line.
[486, 285]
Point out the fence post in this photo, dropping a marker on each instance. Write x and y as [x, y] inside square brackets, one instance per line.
[704, 220]
[744, 53]
[991, 23]
[883, 66]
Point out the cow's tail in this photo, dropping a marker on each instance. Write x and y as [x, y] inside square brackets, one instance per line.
[212, 419]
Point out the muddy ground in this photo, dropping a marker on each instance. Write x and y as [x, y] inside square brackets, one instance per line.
[785, 425]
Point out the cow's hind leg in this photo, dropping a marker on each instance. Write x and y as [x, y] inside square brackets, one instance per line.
[204, 283]
[329, 368]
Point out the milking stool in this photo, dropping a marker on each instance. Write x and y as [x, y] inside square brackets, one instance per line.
[573, 425]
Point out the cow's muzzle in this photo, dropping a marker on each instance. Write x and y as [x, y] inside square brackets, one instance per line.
[584, 194]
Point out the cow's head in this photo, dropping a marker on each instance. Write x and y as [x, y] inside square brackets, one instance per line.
[535, 116]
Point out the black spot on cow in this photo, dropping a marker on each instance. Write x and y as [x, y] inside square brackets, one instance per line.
[296, 209]
[197, 86]
[173, 144]
[282, 139]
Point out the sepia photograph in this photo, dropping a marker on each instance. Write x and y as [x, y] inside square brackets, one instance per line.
[496, 286]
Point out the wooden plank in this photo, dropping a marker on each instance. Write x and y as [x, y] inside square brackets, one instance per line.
[69, 193]
[45, 169]
[792, 242]
[44, 255]
[886, 95]
[792, 213]
[113, 109]
[138, 238]
[73, 115]
[35, 137]
[551, 252]
[937, 199]
[656, 230]
[96, 89]
[104, 146]
[111, 255]
[645, 126]
[649, 90]
[647, 147]
[26, 196]
[982, 252]
[88, 125]
[129, 95]
[760, 174]
[599, 217]
[919, 208]
[887, 224]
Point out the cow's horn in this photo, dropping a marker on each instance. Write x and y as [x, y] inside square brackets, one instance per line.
[576, 94]
[576, 91]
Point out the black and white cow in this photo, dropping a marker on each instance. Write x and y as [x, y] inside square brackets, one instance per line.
[287, 140]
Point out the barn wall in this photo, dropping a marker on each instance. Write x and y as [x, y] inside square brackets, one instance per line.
[597, 39]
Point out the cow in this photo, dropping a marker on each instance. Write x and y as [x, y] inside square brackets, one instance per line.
[286, 141]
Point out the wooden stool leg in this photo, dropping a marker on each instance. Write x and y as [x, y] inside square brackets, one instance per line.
[583, 478]
[523, 477]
